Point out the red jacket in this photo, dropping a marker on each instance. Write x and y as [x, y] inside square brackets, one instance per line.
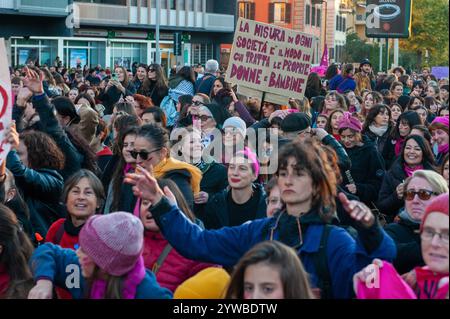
[67, 241]
[175, 269]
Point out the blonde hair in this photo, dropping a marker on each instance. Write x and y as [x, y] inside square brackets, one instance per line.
[437, 182]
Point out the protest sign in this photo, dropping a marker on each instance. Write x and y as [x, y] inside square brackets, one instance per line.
[270, 59]
[440, 71]
[5, 101]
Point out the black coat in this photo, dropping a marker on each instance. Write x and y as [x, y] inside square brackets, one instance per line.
[367, 171]
[388, 203]
[389, 152]
[215, 178]
[41, 190]
[380, 141]
[157, 95]
[51, 126]
[182, 178]
[112, 96]
[217, 215]
[407, 239]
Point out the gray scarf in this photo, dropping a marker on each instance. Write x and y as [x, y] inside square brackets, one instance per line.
[405, 216]
[378, 131]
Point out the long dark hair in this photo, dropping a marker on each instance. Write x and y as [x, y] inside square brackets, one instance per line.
[314, 82]
[409, 117]
[160, 80]
[43, 152]
[373, 113]
[332, 71]
[89, 157]
[117, 178]
[187, 73]
[294, 278]
[428, 161]
[16, 252]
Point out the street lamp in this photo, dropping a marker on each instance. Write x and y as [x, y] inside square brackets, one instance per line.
[158, 22]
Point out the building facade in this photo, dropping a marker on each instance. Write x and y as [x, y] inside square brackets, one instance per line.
[325, 19]
[116, 32]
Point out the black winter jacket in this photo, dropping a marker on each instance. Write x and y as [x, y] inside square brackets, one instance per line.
[406, 236]
[388, 203]
[41, 190]
[367, 171]
[217, 215]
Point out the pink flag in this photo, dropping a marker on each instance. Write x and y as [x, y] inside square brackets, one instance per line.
[325, 61]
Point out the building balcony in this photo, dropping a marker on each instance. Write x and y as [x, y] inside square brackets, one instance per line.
[133, 16]
[55, 8]
[102, 14]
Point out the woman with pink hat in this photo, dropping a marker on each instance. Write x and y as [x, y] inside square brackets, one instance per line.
[367, 171]
[107, 265]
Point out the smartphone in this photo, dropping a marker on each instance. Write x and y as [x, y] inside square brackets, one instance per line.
[115, 77]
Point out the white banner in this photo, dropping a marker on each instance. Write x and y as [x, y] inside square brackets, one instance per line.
[5, 101]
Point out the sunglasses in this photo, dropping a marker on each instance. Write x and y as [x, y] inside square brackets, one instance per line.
[197, 103]
[203, 118]
[422, 193]
[142, 154]
[151, 70]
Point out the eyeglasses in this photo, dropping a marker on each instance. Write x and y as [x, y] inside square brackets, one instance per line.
[422, 193]
[151, 70]
[203, 118]
[273, 201]
[143, 154]
[428, 235]
[197, 103]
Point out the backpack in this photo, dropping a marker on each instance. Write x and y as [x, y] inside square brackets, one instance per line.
[168, 105]
[321, 265]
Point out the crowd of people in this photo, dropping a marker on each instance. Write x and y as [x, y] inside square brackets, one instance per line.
[125, 184]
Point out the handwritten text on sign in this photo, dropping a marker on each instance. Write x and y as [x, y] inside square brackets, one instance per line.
[271, 59]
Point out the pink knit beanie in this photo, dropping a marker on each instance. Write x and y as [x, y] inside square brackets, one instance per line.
[351, 122]
[248, 154]
[437, 205]
[113, 241]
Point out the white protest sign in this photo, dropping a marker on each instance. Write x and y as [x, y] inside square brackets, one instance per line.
[270, 59]
[5, 101]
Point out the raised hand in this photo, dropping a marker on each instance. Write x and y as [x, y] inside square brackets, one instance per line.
[11, 136]
[145, 185]
[33, 81]
[23, 97]
[201, 198]
[42, 290]
[358, 211]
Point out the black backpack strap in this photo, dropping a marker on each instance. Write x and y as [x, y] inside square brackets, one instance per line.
[59, 234]
[161, 259]
[321, 264]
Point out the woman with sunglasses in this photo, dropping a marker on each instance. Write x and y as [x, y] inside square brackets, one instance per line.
[419, 190]
[152, 152]
[308, 188]
[157, 87]
[416, 155]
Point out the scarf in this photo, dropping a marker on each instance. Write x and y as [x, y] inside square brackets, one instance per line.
[378, 131]
[70, 228]
[405, 216]
[410, 170]
[399, 145]
[442, 149]
[171, 164]
[130, 284]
